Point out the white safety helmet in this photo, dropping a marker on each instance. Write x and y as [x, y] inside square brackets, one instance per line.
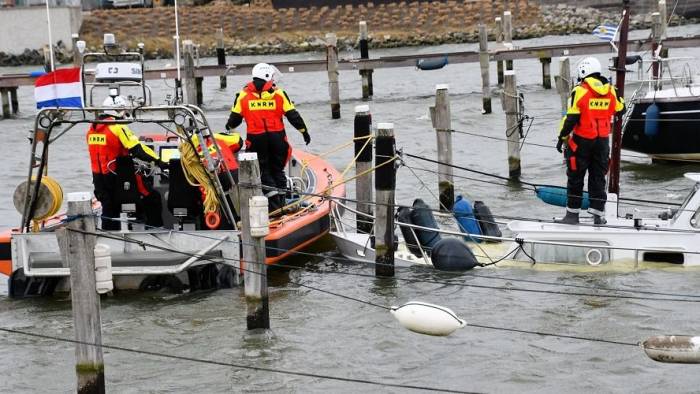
[266, 72]
[119, 104]
[588, 66]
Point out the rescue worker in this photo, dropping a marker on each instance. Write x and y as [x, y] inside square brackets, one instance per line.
[262, 104]
[111, 148]
[585, 131]
[229, 144]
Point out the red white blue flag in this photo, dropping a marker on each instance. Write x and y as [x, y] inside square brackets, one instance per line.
[60, 88]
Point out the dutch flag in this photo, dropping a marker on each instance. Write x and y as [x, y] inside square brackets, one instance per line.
[60, 88]
[605, 32]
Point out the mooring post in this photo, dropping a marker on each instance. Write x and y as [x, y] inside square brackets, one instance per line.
[332, 66]
[508, 35]
[563, 82]
[546, 72]
[221, 55]
[253, 264]
[5, 101]
[47, 58]
[384, 185]
[510, 103]
[198, 82]
[663, 11]
[484, 65]
[189, 82]
[443, 127]
[363, 164]
[499, 46]
[14, 100]
[364, 54]
[77, 247]
[76, 53]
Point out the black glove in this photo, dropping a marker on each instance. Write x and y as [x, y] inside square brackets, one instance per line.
[560, 144]
[307, 137]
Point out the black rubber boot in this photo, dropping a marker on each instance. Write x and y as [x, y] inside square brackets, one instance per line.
[599, 220]
[570, 218]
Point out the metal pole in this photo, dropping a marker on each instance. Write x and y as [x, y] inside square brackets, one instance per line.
[614, 181]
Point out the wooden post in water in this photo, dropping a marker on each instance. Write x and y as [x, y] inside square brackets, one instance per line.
[443, 127]
[78, 252]
[332, 66]
[384, 185]
[484, 65]
[546, 72]
[367, 88]
[363, 163]
[508, 35]
[499, 45]
[198, 82]
[253, 264]
[47, 58]
[221, 55]
[14, 100]
[563, 82]
[656, 66]
[189, 83]
[663, 11]
[76, 53]
[5, 102]
[510, 104]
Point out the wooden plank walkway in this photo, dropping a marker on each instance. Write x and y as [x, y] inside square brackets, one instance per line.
[547, 51]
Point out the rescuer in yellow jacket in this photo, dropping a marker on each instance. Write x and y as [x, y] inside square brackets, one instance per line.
[263, 105]
[586, 130]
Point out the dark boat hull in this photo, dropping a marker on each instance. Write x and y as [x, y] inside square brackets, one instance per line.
[678, 136]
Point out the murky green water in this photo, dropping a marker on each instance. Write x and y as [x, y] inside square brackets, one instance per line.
[314, 332]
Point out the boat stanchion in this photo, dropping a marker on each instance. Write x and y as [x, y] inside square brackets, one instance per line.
[332, 65]
[363, 165]
[78, 251]
[253, 208]
[442, 122]
[384, 185]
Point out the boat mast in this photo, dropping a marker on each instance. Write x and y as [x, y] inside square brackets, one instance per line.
[614, 181]
[178, 80]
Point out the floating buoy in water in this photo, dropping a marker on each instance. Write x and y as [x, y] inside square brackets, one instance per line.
[425, 318]
[651, 120]
[682, 349]
[431, 64]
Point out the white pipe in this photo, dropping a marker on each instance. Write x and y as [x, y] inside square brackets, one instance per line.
[48, 21]
[177, 42]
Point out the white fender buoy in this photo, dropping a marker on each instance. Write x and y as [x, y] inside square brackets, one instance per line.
[425, 318]
[673, 349]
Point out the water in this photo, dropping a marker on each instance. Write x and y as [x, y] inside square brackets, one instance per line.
[315, 332]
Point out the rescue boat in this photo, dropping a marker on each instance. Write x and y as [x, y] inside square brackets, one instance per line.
[188, 252]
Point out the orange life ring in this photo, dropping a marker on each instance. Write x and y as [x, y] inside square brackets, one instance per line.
[212, 220]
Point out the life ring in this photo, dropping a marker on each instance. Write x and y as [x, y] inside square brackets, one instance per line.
[594, 257]
[212, 220]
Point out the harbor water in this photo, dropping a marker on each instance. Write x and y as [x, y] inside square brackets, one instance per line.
[314, 332]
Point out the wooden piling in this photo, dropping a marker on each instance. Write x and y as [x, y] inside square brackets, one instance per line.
[198, 82]
[510, 100]
[363, 164]
[656, 66]
[77, 56]
[663, 11]
[367, 88]
[253, 264]
[332, 66]
[221, 55]
[47, 58]
[484, 65]
[189, 83]
[384, 185]
[5, 102]
[563, 82]
[78, 251]
[443, 127]
[14, 100]
[546, 72]
[508, 35]
[499, 45]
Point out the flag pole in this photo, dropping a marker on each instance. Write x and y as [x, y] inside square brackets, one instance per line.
[48, 21]
[620, 68]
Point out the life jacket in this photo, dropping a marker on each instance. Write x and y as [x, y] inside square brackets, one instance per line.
[262, 110]
[597, 106]
[104, 147]
[229, 145]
